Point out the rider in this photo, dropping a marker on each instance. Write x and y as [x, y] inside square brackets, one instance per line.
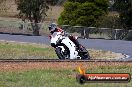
[54, 28]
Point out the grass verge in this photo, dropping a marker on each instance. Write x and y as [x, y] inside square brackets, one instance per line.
[59, 77]
[18, 50]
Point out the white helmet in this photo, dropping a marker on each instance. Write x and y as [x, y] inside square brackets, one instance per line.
[52, 27]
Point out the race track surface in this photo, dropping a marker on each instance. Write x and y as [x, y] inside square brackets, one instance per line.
[118, 46]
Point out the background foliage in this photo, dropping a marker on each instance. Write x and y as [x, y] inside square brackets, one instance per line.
[124, 7]
[83, 12]
[34, 10]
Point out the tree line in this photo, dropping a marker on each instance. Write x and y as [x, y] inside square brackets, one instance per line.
[78, 12]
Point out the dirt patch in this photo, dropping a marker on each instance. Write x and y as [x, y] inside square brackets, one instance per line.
[101, 54]
[25, 66]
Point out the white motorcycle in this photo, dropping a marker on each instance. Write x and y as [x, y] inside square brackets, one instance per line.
[66, 49]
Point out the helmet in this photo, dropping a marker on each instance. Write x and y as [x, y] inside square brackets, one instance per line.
[52, 27]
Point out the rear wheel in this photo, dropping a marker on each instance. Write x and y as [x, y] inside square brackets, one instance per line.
[84, 53]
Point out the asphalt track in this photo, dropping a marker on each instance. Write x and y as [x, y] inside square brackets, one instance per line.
[118, 46]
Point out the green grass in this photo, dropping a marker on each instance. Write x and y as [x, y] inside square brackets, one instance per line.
[20, 51]
[58, 77]
[17, 50]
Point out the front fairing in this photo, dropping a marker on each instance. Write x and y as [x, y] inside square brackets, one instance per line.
[55, 37]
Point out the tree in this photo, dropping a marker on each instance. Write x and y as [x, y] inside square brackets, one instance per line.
[55, 2]
[124, 7]
[112, 22]
[83, 12]
[34, 10]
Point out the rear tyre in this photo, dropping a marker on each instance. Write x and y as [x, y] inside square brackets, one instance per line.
[84, 53]
[86, 56]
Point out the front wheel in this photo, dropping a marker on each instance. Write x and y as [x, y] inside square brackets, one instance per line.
[61, 55]
[58, 51]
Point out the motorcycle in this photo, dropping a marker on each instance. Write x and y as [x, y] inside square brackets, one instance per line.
[66, 49]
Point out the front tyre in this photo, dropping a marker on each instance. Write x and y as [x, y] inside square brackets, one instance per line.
[59, 53]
